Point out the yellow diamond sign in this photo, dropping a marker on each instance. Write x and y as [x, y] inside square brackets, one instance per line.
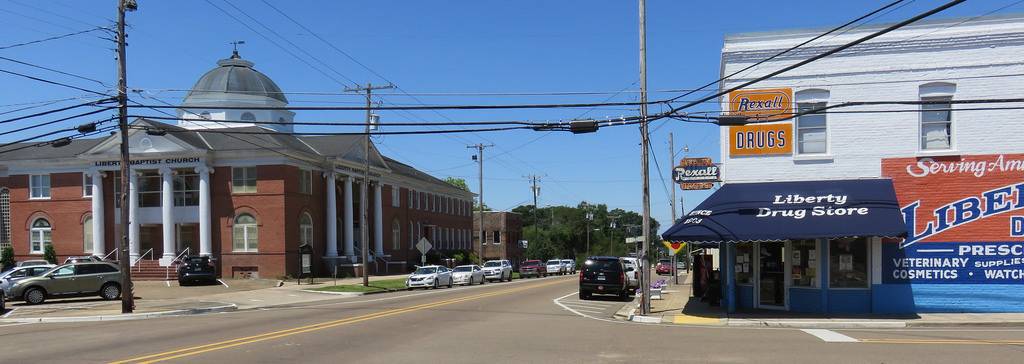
[673, 247]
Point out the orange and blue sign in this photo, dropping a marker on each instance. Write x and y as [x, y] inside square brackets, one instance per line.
[761, 104]
[761, 139]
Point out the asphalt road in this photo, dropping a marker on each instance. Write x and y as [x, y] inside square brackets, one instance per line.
[495, 323]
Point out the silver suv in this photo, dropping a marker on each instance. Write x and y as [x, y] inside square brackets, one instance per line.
[498, 270]
[70, 280]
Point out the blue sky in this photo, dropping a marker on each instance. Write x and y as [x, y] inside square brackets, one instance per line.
[431, 48]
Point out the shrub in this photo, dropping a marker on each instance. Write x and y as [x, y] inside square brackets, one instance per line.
[6, 258]
[50, 255]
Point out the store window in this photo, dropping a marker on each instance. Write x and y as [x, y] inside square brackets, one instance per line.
[811, 130]
[87, 235]
[805, 263]
[39, 186]
[245, 235]
[744, 263]
[41, 235]
[937, 123]
[848, 263]
[243, 179]
[306, 229]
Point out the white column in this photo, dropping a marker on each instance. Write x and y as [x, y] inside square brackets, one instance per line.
[349, 242]
[167, 214]
[133, 215]
[98, 241]
[378, 225]
[205, 242]
[332, 214]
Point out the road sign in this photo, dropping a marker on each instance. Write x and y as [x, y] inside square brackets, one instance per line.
[423, 245]
[673, 247]
[696, 174]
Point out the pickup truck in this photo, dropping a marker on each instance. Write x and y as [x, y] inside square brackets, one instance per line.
[533, 268]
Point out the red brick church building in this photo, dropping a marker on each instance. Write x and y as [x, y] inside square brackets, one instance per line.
[248, 200]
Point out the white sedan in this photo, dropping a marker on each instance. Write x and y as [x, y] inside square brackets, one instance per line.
[468, 274]
[555, 266]
[431, 276]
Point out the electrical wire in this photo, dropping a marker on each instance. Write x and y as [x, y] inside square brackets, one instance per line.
[422, 107]
[73, 137]
[34, 137]
[33, 126]
[345, 123]
[55, 71]
[91, 103]
[52, 82]
[53, 38]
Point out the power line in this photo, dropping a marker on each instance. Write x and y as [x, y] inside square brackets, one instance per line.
[54, 70]
[422, 107]
[52, 82]
[91, 103]
[73, 137]
[53, 38]
[33, 126]
[353, 123]
[96, 123]
[821, 55]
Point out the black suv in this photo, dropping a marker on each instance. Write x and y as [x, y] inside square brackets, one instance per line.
[604, 275]
[196, 269]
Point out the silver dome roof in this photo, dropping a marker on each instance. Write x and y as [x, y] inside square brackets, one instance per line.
[235, 76]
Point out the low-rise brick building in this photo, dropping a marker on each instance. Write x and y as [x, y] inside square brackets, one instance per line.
[503, 232]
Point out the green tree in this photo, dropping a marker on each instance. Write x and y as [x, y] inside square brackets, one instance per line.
[50, 255]
[457, 182]
[6, 258]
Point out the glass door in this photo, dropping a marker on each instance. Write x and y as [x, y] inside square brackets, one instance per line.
[772, 275]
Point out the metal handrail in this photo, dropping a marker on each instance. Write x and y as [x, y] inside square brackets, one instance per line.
[167, 274]
[136, 261]
[108, 254]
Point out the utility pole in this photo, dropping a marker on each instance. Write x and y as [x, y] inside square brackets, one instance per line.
[364, 208]
[480, 160]
[124, 259]
[536, 191]
[645, 304]
[612, 226]
[672, 158]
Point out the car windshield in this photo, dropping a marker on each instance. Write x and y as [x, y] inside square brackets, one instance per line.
[464, 268]
[551, 262]
[530, 263]
[492, 264]
[604, 265]
[665, 261]
[425, 270]
[567, 261]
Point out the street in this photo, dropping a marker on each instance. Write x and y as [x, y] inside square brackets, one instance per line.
[511, 322]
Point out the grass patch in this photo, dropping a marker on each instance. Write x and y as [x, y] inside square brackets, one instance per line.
[515, 275]
[381, 285]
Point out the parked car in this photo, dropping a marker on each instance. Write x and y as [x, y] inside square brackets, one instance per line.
[569, 265]
[468, 274]
[680, 263]
[554, 266]
[8, 278]
[31, 262]
[3, 302]
[632, 271]
[533, 268]
[604, 275]
[82, 259]
[70, 280]
[196, 269]
[498, 270]
[664, 266]
[431, 276]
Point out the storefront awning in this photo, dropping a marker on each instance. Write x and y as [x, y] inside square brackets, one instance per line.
[776, 211]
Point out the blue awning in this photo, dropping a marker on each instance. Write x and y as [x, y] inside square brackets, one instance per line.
[777, 211]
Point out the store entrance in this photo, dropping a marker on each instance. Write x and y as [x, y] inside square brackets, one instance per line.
[772, 277]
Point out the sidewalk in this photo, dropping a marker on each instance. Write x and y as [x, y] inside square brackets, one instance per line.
[157, 298]
[678, 307]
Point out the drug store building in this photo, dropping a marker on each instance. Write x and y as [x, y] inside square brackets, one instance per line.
[248, 199]
[918, 208]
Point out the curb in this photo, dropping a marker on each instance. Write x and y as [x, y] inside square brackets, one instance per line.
[353, 294]
[965, 324]
[123, 317]
[816, 324]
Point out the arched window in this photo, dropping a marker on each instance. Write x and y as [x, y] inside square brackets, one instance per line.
[248, 116]
[396, 235]
[305, 229]
[87, 235]
[42, 235]
[245, 235]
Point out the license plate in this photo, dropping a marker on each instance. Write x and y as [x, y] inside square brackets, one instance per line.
[600, 278]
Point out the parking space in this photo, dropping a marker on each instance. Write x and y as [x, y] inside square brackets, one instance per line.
[596, 306]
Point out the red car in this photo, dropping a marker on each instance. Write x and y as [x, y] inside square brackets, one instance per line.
[664, 266]
[533, 268]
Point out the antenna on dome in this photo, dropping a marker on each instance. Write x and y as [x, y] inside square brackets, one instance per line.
[234, 51]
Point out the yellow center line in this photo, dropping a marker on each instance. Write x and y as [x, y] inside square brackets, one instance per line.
[195, 350]
[943, 341]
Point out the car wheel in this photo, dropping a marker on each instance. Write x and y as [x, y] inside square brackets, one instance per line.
[110, 291]
[35, 296]
[584, 295]
[450, 282]
[435, 283]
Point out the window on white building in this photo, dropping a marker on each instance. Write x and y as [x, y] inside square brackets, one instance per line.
[87, 235]
[186, 188]
[39, 186]
[248, 116]
[245, 234]
[937, 123]
[243, 180]
[811, 130]
[396, 196]
[41, 236]
[86, 185]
